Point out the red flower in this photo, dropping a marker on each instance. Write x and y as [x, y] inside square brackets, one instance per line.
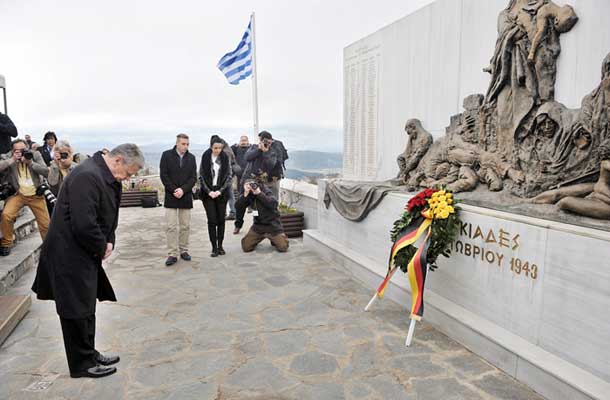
[420, 199]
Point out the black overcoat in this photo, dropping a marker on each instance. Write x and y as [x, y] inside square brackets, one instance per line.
[175, 176]
[85, 218]
[47, 154]
[7, 132]
[225, 175]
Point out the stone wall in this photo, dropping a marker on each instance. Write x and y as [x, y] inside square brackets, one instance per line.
[431, 60]
[550, 315]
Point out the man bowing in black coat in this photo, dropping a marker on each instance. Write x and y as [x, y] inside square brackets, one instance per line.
[80, 237]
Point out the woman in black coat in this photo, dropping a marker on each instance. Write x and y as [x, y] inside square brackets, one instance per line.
[215, 176]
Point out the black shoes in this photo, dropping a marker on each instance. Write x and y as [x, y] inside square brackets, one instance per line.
[214, 252]
[171, 260]
[221, 251]
[107, 360]
[99, 371]
[185, 256]
[5, 251]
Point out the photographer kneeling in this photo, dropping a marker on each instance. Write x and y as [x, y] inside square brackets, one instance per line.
[63, 163]
[267, 224]
[26, 170]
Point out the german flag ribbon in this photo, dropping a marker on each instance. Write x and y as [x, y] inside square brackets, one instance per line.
[417, 271]
[407, 237]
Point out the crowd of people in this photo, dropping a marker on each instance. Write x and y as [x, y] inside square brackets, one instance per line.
[75, 203]
[30, 176]
[243, 176]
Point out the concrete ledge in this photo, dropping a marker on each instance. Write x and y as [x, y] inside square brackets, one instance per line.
[544, 372]
[25, 255]
[300, 187]
[12, 311]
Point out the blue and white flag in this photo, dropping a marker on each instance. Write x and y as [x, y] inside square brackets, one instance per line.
[237, 65]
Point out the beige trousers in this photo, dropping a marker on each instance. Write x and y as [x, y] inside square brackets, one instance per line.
[178, 222]
[12, 206]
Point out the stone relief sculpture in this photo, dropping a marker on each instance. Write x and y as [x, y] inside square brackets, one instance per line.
[418, 144]
[524, 64]
[588, 199]
[516, 138]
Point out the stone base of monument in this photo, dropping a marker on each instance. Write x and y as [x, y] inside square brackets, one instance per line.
[531, 296]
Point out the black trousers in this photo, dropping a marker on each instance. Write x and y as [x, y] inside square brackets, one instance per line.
[215, 210]
[79, 341]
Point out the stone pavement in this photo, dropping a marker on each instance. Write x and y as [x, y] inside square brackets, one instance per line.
[242, 326]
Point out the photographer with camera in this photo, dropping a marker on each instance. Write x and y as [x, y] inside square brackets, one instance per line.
[267, 224]
[25, 174]
[63, 163]
[260, 160]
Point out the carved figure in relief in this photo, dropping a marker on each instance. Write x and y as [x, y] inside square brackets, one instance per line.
[588, 199]
[551, 16]
[594, 114]
[418, 145]
[524, 64]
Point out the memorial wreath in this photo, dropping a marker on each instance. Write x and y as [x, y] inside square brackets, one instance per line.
[438, 207]
[430, 220]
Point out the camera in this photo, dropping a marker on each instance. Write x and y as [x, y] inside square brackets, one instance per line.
[44, 190]
[253, 185]
[27, 154]
[63, 156]
[6, 191]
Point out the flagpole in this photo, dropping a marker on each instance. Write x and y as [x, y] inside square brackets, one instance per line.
[254, 76]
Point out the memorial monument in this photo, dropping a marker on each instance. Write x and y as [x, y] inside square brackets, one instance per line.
[527, 155]
[517, 137]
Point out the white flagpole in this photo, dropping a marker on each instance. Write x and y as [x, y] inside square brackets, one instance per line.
[254, 76]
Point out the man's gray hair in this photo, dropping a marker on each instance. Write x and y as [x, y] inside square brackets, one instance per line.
[62, 144]
[130, 153]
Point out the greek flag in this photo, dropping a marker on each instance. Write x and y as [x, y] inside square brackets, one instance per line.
[237, 65]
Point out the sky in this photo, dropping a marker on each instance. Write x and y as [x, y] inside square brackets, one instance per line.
[143, 71]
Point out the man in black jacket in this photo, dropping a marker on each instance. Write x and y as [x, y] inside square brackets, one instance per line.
[178, 170]
[46, 150]
[267, 224]
[7, 132]
[240, 149]
[80, 237]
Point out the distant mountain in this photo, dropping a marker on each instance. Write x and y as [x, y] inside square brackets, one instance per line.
[307, 160]
[300, 175]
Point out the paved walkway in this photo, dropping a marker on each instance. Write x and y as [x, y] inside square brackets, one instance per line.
[244, 326]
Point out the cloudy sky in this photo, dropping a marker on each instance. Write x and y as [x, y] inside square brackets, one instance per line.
[142, 70]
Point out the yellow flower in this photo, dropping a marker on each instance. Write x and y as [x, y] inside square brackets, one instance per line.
[449, 195]
[449, 200]
[450, 209]
[442, 204]
[442, 198]
[441, 192]
[444, 214]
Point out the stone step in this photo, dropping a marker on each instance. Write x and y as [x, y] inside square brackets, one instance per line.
[24, 256]
[25, 225]
[12, 311]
